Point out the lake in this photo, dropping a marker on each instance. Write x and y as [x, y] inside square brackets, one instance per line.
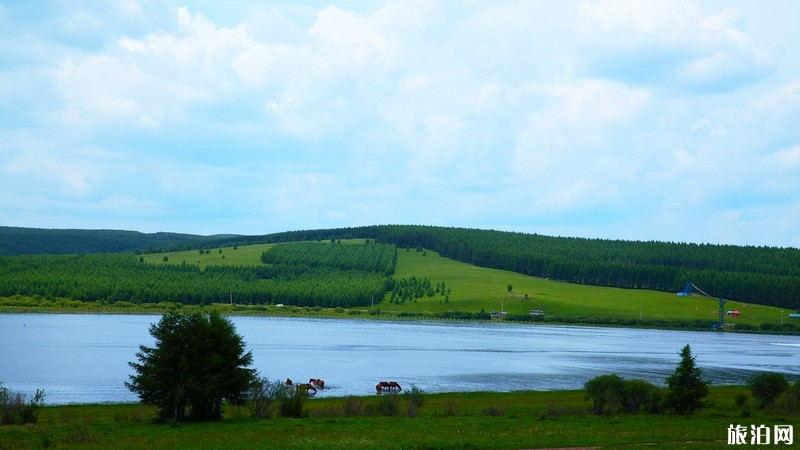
[81, 358]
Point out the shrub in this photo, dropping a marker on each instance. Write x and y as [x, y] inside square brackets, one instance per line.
[415, 398]
[611, 394]
[740, 399]
[16, 408]
[389, 405]
[448, 409]
[767, 387]
[687, 389]
[790, 400]
[640, 395]
[352, 406]
[605, 392]
[263, 394]
[292, 403]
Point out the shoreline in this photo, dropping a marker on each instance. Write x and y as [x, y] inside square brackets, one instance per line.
[65, 306]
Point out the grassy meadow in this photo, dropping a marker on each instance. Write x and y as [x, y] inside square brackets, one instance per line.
[479, 420]
[247, 255]
[475, 288]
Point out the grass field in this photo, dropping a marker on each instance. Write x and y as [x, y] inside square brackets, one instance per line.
[480, 420]
[247, 255]
[475, 288]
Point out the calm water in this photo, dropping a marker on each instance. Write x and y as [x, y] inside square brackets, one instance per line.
[83, 357]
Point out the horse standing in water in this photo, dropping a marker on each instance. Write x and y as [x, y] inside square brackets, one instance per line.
[305, 388]
[387, 386]
[318, 383]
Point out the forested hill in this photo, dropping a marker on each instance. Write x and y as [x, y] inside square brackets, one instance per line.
[766, 275]
[19, 241]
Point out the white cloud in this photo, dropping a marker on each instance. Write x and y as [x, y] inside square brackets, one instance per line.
[463, 113]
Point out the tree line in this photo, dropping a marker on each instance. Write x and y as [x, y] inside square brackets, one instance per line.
[122, 277]
[764, 275]
[369, 257]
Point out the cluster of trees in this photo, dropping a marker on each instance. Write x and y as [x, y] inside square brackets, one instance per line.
[686, 391]
[121, 277]
[772, 391]
[368, 257]
[765, 275]
[29, 241]
[410, 289]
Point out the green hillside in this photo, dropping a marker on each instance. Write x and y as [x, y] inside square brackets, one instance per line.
[474, 288]
[248, 255]
[32, 241]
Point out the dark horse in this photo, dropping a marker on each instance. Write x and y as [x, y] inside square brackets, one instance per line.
[318, 383]
[387, 386]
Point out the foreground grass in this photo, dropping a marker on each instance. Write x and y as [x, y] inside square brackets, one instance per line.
[481, 420]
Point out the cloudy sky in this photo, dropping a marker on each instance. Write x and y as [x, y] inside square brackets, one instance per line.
[644, 120]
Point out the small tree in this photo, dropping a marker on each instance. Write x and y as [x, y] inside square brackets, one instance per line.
[165, 259]
[509, 288]
[197, 363]
[767, 387]
[687, 389]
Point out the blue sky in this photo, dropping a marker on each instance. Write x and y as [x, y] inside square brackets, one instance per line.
[668, 120]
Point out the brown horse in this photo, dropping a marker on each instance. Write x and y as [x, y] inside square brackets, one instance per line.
[387, 386]
[318, 383]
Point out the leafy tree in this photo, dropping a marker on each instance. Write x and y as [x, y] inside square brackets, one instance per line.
[767, 387]
[165, 259]
[198, 362]
[509, 288]
[605, 392]
[687, 389]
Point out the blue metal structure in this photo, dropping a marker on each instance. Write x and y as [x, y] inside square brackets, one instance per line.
[690, 288]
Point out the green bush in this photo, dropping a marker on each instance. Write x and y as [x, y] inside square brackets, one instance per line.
[16, 408]
[415, 397]
[605, 392]
[789, 401]
[639, 395]
[292, 403]
[263, 394]
[611, 394]
[767, 387]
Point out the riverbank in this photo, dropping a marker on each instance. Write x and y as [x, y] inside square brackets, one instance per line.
[532, 419]
[23, 304]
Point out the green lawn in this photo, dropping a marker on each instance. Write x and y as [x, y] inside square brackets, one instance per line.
[480, 420]
[475, 288]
